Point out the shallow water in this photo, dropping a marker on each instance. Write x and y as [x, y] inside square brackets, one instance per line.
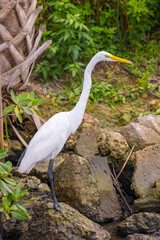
[111, 228]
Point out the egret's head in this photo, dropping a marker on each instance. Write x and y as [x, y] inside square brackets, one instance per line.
[105, 56]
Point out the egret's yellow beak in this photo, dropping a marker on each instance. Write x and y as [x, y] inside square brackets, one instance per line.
[118, 59]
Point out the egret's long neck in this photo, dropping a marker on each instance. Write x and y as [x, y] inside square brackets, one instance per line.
[78, 111]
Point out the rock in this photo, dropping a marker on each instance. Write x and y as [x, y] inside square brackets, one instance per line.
[140, 223]
[85, 184]
[140, 136]
[149, 203]
[49, 224]
[152, 201]
[112, 144]
[147, 167]
[30, 182]
[87, 143]
[16, 145]
[138, 236]
[152, 122]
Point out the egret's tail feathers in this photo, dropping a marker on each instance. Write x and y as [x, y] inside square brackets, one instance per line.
[25, 167]
[21, 157]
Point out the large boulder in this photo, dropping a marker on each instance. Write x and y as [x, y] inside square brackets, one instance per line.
[140, 135]
[45, 223]
[85, 184]
[147, 170]
[86, 145]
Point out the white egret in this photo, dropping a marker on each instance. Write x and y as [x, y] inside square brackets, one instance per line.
[51, 137]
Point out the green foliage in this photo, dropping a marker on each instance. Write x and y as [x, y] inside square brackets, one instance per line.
[79, 29]
[142, 17]
[22, 103]
[70, 35]
[11, 192]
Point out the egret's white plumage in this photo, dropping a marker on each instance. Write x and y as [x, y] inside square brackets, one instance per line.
[51, 137]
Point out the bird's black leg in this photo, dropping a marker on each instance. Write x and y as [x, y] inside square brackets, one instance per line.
[57, 206]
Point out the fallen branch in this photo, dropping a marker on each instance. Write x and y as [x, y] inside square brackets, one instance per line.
[125, 162]
[116, 184]
[129, 71]
[17, 133]
[154, 94]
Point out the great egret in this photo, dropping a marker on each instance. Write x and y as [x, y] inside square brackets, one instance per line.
[51, 137]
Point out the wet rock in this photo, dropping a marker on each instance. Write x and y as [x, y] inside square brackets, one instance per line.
[54, 226]
[87, 143]
[140, 135]
[149, 203]
[152, 122]
[49, 224]
[138, 236]
[147, 167]
[140, 223]
[112, 144]
[85, 184]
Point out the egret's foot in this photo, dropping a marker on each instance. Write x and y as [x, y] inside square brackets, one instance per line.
[60, 209]
[57, 204]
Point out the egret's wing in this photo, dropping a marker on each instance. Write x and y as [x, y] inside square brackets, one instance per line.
[47, 142]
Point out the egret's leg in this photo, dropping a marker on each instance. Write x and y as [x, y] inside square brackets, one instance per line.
[57, 206]
[50, 175]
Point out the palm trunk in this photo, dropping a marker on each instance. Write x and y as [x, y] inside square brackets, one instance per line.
[18, 41]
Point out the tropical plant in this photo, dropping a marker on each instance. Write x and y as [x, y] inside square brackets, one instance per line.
[11, 192]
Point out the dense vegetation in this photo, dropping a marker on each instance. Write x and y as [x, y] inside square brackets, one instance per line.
[79, 29]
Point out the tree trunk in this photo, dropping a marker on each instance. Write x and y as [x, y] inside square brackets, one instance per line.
[18, 41]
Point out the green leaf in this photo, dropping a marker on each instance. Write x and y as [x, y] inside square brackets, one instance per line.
[10, 181]
[25, 102]
[19, 214]
[8, 187]
[1, 209]
[40, 100]
[13, 96]
[3, 189]
[32, 95]
[9, 165]
[3, 169]
[8, 109]
[7, 216]
[35, 102]
[5, 203]
[21, 208]
[13, 207]
[26, 110]
[37, 112]
[18, 189]
[3, 153]
[22, 97]
[22, 193]
[16, 110]
[9, 198]
[6, 166]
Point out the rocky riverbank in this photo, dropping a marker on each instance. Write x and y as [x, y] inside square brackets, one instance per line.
[102, 176]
